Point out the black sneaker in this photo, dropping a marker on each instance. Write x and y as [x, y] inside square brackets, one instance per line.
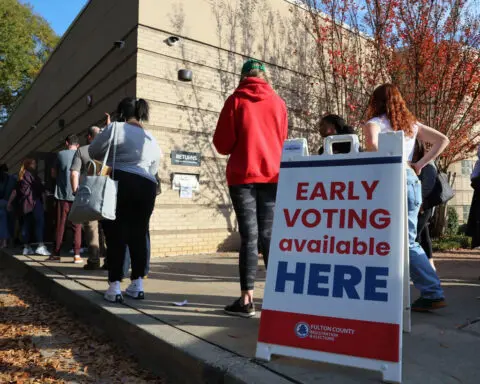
[105, 266]
[238, 309]
[92, 266]
[423, 304]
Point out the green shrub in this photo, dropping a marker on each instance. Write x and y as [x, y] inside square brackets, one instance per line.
[450, 243]
[452, 222]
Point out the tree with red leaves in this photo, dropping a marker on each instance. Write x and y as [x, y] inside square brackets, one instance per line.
[429, 48]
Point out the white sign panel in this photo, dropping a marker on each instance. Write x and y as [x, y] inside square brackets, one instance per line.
[335, 279]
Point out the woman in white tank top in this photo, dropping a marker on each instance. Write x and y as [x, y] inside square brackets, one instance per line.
[388, 112]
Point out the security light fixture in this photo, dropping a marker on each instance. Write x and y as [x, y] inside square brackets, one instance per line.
[89, 100]
[185, 75]
[119, 44]
[172, 40]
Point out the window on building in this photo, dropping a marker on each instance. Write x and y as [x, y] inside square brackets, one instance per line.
[467, 167]
[466, 211]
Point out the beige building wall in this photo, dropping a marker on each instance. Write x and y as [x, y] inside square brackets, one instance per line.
[464, 192]
[216, 38]
[85, 63]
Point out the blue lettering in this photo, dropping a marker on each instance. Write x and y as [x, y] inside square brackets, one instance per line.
[315, 279]
[341, 282]
[372, 283]
[298, 277]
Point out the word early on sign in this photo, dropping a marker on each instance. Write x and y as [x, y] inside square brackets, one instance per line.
[186, 158]
[335, 280]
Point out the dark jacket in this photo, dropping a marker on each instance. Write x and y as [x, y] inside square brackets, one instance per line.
[428, 177]
[29, 191]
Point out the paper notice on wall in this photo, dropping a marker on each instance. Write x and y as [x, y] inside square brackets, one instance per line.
[186, 192]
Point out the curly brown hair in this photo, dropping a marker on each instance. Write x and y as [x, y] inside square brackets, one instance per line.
[387, 100]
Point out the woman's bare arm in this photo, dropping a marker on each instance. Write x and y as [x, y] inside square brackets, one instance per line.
[438, 141]
[371, 131]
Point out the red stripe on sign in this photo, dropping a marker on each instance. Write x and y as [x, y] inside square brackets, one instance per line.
[371, 340]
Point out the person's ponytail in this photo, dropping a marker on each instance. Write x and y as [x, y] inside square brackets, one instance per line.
[141, 110]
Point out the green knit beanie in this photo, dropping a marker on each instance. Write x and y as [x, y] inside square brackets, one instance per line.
[252, 64]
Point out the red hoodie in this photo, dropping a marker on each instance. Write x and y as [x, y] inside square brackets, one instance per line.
[251, 129]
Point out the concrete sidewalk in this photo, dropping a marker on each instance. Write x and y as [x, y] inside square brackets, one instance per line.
[198, 343]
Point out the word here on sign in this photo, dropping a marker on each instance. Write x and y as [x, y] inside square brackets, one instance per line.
[334, 290]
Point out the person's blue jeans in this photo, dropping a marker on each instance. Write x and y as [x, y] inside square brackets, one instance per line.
[126, 263]
[422, 273]
[35, 220]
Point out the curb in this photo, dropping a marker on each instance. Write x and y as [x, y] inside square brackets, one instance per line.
[158, 347]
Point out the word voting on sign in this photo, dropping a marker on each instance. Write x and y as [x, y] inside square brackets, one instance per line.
[335, 280]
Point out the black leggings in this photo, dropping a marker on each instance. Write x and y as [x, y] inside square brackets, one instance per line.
[135, 203]
[423, 233]
[254, 206]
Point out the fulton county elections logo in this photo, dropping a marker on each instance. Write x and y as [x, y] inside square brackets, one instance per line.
[302, 330]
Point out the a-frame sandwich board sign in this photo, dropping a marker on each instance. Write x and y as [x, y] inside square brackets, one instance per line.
[336, 282]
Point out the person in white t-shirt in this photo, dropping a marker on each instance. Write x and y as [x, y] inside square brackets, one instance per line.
[387, 112]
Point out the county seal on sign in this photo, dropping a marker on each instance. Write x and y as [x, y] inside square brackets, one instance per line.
[302, 330]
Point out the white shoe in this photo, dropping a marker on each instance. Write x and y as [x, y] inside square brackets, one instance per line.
[42, 251]
[135, 289]
[114, 293]
[77, 260]
[27, 250]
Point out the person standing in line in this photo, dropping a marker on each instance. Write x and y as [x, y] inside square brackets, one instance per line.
[5, 191]
[79, 168]
[331, 125]
[137, 157]
[387, 112]
[64, 198]
[29, 198]
[252, 128]
[428, 178]
[473, 223]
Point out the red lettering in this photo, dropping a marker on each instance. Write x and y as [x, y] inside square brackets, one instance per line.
[316, 218]
[314, 246]
[383, 249]
[380, 219]
[286, 245]
[325, 244]
[359, 247]
[343, 248]
[299, 245]
[369, 189]
[302, 189]
[319, 191]
[351, 190]
[330, 213]
[371, 248]
[354, 217]
[289, 220]
[336, 189]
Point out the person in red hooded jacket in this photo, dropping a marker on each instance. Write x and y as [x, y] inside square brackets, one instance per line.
[251, 129]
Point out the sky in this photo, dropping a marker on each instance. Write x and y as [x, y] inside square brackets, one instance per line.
[59, 13]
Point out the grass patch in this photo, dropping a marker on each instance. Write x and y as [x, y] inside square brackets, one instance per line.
[450, 243]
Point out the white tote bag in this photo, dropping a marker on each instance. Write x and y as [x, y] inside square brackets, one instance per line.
[96, 198]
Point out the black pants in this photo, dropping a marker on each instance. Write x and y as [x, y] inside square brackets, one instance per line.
[135, 203]
[473, 224]
[423, 233]
[254, 206]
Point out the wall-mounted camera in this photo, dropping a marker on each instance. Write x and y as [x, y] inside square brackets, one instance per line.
[119, 44]
[172, 40]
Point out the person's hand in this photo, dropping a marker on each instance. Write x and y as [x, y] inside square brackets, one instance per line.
[109, 120]
[417, 168]
[9, 207]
